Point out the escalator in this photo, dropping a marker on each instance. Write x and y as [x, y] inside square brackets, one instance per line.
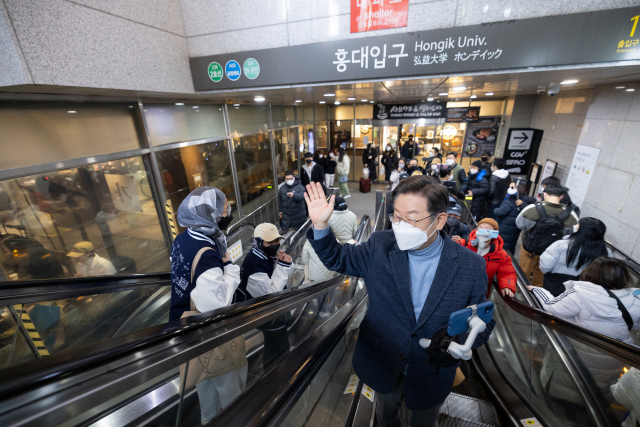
[534, 369]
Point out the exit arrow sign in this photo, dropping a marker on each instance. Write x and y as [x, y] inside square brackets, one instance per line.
[520, 140]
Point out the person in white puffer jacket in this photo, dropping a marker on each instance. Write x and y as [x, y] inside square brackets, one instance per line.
[588, 304]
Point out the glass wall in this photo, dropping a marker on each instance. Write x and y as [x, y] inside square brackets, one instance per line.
[169, 123]
[252, 154]
[109, 206]
[287, 152]
[186, 168]
[248, 118]
[283, 116]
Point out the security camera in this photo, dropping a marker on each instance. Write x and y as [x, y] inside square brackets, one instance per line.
[554, 89]
[541, 90]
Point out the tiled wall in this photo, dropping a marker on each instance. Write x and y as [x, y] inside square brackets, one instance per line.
[612, 124]
[222, 26]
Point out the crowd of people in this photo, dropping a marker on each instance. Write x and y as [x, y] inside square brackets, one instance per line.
[428, 248]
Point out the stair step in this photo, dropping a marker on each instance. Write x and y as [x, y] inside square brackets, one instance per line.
[464, 409]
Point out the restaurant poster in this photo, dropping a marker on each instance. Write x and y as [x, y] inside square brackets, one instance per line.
[463, 114]
[480, 136]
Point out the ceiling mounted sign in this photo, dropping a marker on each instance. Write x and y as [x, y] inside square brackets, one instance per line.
[562, 40]
[370, 15]
[429, 110]
[449, 132]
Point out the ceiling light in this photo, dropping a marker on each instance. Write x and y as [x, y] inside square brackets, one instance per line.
[179, 103]
[473, 96]
[329, 94]
[351, 99]
[71, 112]
[372, 102]
[489, 94]
[337, 102]
[322, 102]
[195, 106]
[236, 105]
[443, 94]
[429, 99]
[259, 98]
[460, 88]
[619, 87]
[568, 82]
[298, 100]
[628, 90]
[364, 100]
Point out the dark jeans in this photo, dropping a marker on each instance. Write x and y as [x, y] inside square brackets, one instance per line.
[388, 409]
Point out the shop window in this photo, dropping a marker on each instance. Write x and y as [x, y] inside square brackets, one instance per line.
[287, 152]
[253, 159]
[322, 137]
[108, 207]
[186, 168]
[169, 123]
[248, 118]
[46, 132]
[283, 116]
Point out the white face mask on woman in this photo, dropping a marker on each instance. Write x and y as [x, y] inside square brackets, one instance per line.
[320, 156]
[332, 155]
[410, 238]
[401, 165]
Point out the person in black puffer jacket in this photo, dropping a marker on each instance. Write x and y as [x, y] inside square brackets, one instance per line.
[476, 186]
[507, 213]
[291, 203]
[498, 184]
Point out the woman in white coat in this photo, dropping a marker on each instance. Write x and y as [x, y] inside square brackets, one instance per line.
[343, 167]
[565, 259]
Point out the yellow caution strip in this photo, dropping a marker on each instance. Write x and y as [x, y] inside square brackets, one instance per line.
[34, 336]
[172, 224]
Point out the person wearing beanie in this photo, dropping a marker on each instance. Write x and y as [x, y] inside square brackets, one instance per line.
[485, 240]
[455, 228]
[476, 186]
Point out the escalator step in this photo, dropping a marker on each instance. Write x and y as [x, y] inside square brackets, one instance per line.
[471, 410]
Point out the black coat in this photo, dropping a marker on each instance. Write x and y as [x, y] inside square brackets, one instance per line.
[374, 158]
[293, 209]
[479, 186]
[407, 152]
[507, 213]
[389, 159]
[330, 166]
[498, 189]
[317, 175]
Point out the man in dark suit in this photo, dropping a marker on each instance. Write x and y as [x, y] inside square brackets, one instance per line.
[416, 277]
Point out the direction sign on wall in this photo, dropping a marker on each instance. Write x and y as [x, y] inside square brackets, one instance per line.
[520, 140]
[521, 151]
[592, 37]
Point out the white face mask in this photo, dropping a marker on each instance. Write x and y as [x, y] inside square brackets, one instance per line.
[434, 167]
[388, 148]
[320, 156]
[432, 154]
[401, 165]
[576, 228]
[290, 181]
[410, 238]
[512, 191]
[473, 171]
[331, 155]
[450, 161]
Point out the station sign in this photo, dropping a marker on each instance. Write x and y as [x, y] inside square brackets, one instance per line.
[562, 40]
[370, 15]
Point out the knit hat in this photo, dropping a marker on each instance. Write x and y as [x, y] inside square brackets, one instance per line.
[477, 163]
[340, 204]
[491, 222]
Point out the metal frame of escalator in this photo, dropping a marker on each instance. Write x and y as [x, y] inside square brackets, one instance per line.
[224, 324]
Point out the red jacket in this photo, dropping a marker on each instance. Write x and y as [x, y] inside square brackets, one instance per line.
[498, 262]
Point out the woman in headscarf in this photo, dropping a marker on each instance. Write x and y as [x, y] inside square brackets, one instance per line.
[205, 214]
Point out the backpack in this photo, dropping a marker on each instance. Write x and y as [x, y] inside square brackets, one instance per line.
[547, 230]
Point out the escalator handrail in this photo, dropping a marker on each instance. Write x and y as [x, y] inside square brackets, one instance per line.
[33, 374]
[626, 353]
[630, 261]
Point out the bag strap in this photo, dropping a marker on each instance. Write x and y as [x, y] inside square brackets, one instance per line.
[566, 213]
[196, 260]
[542, 213]
[625, 313]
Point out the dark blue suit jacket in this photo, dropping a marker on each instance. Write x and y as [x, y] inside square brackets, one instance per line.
[389, 333]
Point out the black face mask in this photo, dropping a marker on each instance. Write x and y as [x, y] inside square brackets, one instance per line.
[309, 161]
[484, 159]
[224, 222]
[452, 222]
[270, 251]
[412, 169]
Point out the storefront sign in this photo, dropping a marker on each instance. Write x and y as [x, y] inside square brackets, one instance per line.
[369, 15]
[429, 110]
[464, 114]
[591, 37]
[521, 151]
[582, 169]
[449, 132]
[480, 136]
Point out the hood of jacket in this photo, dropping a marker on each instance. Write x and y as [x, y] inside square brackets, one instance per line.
[500, 173]
[497, 243]
[296, 181]
[481, 174]
[597, 301]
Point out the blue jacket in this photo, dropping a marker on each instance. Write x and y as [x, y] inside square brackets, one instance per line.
[389, 333]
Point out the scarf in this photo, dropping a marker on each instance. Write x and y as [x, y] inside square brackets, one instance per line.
[201, 211]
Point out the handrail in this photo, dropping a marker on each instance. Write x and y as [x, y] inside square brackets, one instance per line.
[33, 374]
[380, 209]
[626, 353]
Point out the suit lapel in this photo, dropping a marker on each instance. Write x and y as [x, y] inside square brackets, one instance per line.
[444, 276]
[402, 277]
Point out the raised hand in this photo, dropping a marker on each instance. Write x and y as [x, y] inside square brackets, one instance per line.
[319, 210]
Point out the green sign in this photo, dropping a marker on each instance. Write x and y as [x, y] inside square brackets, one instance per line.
[251, 68]
[215, 72]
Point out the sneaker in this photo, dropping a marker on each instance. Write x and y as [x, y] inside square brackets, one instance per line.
[347, 196]
[387, 187]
